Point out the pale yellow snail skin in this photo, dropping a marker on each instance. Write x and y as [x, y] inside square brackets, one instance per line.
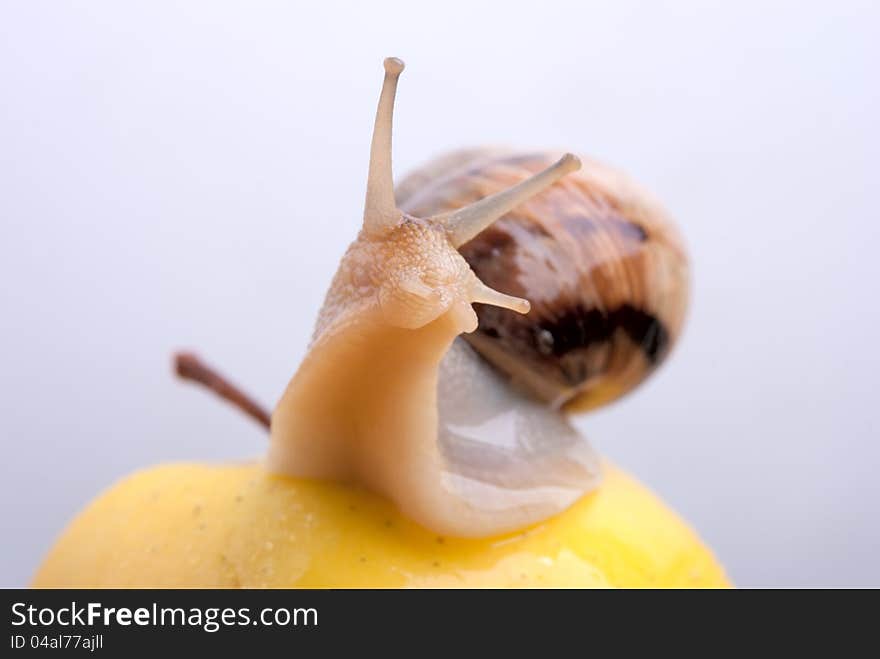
[363, 406]
[397, 456]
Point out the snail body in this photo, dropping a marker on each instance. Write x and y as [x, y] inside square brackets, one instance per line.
[472, 445]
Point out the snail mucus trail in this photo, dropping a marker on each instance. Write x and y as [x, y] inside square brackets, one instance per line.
[469, 437]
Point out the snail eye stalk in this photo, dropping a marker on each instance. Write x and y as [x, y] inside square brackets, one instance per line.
[466, 223]
[380, 209]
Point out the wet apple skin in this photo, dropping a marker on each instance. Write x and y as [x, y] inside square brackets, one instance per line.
[237, 525]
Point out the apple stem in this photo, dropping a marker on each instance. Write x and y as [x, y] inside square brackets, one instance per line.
[189, 367]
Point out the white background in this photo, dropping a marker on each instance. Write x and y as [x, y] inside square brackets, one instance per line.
[187, 174]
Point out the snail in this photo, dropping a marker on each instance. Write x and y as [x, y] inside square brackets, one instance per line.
[425, 438]
[470, 437]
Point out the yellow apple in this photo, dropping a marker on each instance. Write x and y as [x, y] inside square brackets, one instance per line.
[238, 525]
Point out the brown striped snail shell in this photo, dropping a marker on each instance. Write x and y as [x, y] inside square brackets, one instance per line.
[601, 263]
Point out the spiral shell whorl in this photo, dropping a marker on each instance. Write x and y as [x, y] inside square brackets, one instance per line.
[601, 262]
